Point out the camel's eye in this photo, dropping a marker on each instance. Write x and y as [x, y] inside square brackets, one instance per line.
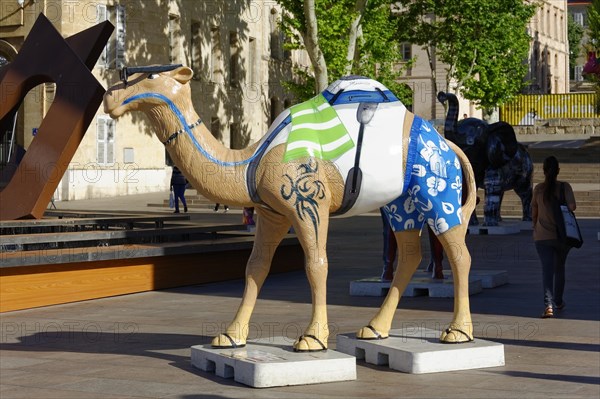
[153, 76]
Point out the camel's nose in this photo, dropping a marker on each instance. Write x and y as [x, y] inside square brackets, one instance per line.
[108, 101]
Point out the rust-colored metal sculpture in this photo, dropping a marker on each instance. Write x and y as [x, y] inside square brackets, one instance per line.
[47, 57]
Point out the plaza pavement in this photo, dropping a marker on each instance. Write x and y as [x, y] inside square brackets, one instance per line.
[138, 346]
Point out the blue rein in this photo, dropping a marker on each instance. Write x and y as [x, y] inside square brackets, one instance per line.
[188, 129]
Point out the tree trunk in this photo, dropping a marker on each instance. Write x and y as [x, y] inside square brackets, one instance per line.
[311, 41]
[353, 34]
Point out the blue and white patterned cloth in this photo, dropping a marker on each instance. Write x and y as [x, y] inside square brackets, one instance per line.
[433, 184]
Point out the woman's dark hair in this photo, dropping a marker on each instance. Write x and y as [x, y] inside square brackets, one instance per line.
[550, 173]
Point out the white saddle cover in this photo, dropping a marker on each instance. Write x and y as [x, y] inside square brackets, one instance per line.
[381, 155]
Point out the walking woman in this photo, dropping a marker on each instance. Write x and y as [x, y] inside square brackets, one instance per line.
[552, 252]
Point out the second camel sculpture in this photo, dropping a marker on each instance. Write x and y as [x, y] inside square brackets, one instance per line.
[351, 149]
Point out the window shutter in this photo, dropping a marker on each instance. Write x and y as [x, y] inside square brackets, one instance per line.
[110, 141]
[120, 41]
[578, 73]
[101, 140]
[196, 50]
[101, 16]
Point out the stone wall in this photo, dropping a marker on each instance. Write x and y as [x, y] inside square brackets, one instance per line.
[559, 129]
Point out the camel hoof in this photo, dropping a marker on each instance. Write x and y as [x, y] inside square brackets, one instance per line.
[309, 343]
[453, 335]
[368, 332]
[224, 341]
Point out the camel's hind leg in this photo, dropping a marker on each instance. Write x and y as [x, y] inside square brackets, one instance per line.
[453, 240]
[409, 257]
[270, 229]
[461, 327]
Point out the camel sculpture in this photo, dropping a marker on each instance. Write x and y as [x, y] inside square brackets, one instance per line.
[293, 181]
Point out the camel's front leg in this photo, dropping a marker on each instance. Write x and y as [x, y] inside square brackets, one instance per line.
[409, 257]
[270, 229]
[313, 238]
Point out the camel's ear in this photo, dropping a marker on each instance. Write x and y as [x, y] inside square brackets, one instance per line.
[182, 74]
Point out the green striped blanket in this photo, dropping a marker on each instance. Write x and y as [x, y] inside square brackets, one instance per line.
[317, 131]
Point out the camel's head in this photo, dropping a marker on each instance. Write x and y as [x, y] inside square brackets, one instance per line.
[147, 87]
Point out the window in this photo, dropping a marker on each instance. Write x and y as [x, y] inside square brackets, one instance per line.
[174, 37]
[216, 71]
[578, 73]
[235, 136]
[113, 55]
[252, 60]
[215, 127]
[274, 109]
[234, 59]
[578, 17]
[196, 50]
[105, 140]
[275, 38]
[406, 50]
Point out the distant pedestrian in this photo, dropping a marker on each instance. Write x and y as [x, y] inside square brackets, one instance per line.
[465, 116]
[178, 184]
[217, 205]
[552, 252]
[248, 217]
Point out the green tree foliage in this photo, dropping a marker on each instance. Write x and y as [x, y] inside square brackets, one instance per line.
[575, 34]
[483, 42]
[377, 52]
[594, 25]
[593, 32]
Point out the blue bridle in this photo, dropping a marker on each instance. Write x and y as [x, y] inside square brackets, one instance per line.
[188, 130]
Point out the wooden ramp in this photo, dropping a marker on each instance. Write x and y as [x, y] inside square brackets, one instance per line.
[66, 259]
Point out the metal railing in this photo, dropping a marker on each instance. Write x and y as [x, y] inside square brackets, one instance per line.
[527, 108]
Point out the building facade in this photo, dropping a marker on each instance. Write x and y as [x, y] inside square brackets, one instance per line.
[549, 51]
[234, 47]
[548, 63]
[579, 11]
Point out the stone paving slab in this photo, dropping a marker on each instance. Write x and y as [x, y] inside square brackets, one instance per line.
[270, 362]
[419, 351]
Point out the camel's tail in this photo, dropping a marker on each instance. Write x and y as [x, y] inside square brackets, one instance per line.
[469, 188]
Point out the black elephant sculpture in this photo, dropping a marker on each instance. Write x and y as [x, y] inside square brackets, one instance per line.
[499, 162]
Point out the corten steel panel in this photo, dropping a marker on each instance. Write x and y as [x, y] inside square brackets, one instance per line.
[47, 57]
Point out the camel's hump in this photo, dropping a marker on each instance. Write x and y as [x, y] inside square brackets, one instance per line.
[354, 82]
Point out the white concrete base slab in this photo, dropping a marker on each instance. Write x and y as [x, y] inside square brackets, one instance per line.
[434, 288]
[526, 225]
[420, 285]
[271, 362]
[490, 278]
[369, 287]
[418, 351]
[503, 228]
